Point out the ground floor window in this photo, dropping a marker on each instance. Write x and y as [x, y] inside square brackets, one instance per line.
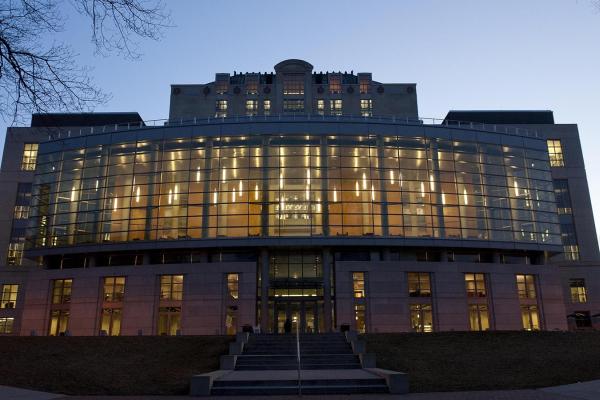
[111, 321]
[530, 317]
[360, 318]
[479, 317]
[6, 325]
[169, 320]
[59, 322]
[421, 317]
[231, 320]
[583, 319]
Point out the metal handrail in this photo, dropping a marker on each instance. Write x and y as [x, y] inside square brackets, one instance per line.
[64, 132]
[298, 356]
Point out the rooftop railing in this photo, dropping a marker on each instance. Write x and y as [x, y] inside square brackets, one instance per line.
[55, 133]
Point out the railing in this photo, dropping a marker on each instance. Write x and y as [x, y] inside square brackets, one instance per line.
[63, 132]
[298, 356]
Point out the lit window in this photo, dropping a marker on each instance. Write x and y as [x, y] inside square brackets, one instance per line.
[29, 157]
[364, 82]
[251, 84]
[366, 107]
[562, 195]
[578, 291]
[293, 84]
[23, 201]
[231, 320]
[21, 212]
[114, 289]
[222, 83]
[61, 291]
[555, 152]
[111, 321]
[359, 318]
[419, 284]
[335, 107]
[335, 84]
[358, 284]
[478, 317]
[251, 107]
[6, 325]
[169, 321]
[59, 322]
[293, 106]
[571, 252]
[9, 296]
[233, 285]
[475, 285]
[267, 107]
[171, 287]
[421, 317]
[530, 318]
[221, 108]
[320, 107]
[15, 253]
[526, 286]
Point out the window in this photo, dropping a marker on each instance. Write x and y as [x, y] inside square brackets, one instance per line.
[23, 201]
[569, 238]
[222, 83]
[171, 287]
[421, 317]
[252, 84]
[531, 320]
[21, 212]
[582, 319]
[320, 107]
[267, 107]
[9, 296]
[562, 195]
[364, 82]
[251, 107]
[114, 289]
[526, 286]
[6, 325]
[478, 317]
[59, 322]
[335, 84]
[358, 283]
[293, 106]
[233, 286]
[293, 84]
[231, 320]
[30, 151]
[366, 107]
[475, 285]
[359, 318]
[15, 253]
[335, 107]
[61, 291]
[221, 109]
[578, 292]
[111, 321]
[419, 284]
[169, 321]
[555, 153]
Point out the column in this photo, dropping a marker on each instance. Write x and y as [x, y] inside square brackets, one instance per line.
[324, 185]
[380, 166]
[327, 304]
[264, 291]
[206, 189]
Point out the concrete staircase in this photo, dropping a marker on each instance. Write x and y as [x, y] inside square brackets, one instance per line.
[268, 365]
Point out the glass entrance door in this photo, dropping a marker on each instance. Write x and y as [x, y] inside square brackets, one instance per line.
[303, 314]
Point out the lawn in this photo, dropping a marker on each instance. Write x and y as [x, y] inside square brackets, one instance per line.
[108, 365]
[452, 361]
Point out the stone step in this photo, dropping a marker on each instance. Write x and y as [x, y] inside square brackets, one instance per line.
[251, 367]
[290, 387]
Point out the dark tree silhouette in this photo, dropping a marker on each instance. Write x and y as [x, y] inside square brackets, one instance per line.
[35, 77]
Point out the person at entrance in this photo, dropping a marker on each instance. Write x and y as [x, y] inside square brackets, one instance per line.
[287, 326]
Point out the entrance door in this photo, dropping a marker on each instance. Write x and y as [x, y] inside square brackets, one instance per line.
[302, 314]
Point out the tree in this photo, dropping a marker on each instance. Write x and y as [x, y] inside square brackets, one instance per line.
[42, 78]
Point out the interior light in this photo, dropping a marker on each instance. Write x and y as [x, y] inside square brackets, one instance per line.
[137, 194]
[198, 174]
[115, 204]
[372, 193]
[357, 188]
[465, 197]
[224, 174]
[215, 197]
[364, 181]
[335, 199]
[73, 194]
[391, 176]
[240, 189]
[443, 198]
[256, 192]
[431, 183]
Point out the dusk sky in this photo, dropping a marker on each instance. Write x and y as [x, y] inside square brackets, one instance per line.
[509, 54]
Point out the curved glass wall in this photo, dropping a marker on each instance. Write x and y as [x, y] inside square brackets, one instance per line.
[292, 185]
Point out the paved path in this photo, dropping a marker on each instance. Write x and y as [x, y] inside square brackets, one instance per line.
[11, 393]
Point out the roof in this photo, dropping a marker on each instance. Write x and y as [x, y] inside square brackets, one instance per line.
[84, 119]
[517, 117]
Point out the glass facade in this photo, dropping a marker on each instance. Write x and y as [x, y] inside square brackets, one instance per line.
[193, 187]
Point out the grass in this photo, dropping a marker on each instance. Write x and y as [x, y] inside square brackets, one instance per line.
[108, 365]
[453, 361]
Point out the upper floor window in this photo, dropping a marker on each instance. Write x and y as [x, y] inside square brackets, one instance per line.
[30, 151]
[252, 84]
[293, 106]
[563, 197]
[267, 107]
[171, 287]
[221, 108]
[9, 296]
[320, 106]
[475, 285]
[15, 253]
[23, 201]
[335, 107]
[526, 286]
[251, 107]
[364, 82]
[578, 291]
[419, 284]
[21, 212]
[222, 83]
[366, 107]
[114, 288]
[233, 285]
[293, 84]
[555, 153]
[358, 284]
[61, 291]
[335, 84]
